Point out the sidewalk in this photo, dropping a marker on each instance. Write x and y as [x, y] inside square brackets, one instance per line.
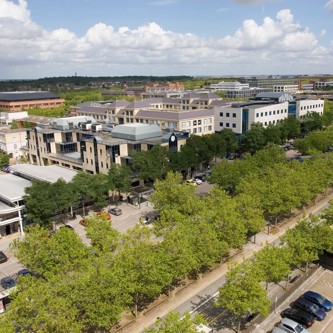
[148, 319]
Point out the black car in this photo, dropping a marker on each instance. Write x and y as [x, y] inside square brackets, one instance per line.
[23, 272]
[300, 316]
[3, 257]
[8, 282]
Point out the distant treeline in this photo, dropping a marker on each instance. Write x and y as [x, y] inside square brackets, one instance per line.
[78, 81]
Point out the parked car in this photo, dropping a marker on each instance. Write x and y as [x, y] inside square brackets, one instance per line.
[115, 211]
[8, 282]
[318, 299]
[298, 315]
[198, 181]
[200, 176]
[291, 326]
[310, 307]
[24, 272]
[191, 182]
[3, 257]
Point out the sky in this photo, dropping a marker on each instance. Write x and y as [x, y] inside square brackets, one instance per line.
[50, 38]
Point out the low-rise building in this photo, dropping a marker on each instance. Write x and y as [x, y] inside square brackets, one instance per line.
[24, 100]
[12, 140]
[287, 88]
[192, 112]
[266, 108]
[12, 190]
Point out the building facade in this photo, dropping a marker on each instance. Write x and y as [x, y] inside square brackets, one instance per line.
[92, 148]
[266, 109]
[24, 100]
[12, 140]
[192, 112]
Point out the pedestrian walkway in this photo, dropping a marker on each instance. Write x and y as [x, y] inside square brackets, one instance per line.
[149, 318]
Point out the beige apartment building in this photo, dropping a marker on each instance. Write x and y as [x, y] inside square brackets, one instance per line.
[12, 140]
[80, 143]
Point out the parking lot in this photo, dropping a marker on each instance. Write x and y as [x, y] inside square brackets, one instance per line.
[322, 282]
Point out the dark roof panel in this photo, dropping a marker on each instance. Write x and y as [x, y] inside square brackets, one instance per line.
[26, 96]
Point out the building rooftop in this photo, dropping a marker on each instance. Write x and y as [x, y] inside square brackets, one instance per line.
[12, 187]
[49, 173]
[26, 95]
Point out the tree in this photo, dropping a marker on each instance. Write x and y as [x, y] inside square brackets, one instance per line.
[48, 255]
[174, 323]
[221, 212]
[102, 236]
[171, 193]
[254, 138]
[273, 263]
[289, 128]
[198, 143]
[146, 272]
[152, 164]
[119, 178]
[4, 160]
[39, 203]
[243, 293]
[307, 240]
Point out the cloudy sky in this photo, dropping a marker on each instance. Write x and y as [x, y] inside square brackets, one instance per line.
[44, 38]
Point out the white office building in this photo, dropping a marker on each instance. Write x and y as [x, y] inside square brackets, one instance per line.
[223, 86]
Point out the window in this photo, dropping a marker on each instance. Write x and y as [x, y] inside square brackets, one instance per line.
[221, 114]
[278, 111]
[199, 122]
[199, 129]
[194, 130]
[194, 122]
[205, 128]
[233, 125]
[261, 114]
[209, 128]
[234, 115]
[183, 124]
[221, 124]
[270, 113]
[257, 115]
[228, 114]
[265, 113]
[227, 125]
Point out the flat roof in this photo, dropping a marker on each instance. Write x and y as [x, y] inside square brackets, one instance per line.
[12, 187]
[50, 173]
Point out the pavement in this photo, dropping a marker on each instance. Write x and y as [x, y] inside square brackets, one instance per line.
[146, 320]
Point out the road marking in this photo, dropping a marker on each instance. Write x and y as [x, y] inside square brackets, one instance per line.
[326, 325]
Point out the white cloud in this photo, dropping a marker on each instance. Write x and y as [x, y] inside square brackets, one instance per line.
[329, 5]
[18, 12]
[27, 50]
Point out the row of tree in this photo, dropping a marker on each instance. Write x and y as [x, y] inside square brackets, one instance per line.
[44, 200]
[244, 289]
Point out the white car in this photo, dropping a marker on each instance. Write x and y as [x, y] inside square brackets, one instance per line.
[198, 181]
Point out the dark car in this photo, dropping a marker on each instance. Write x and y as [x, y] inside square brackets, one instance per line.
[115, 211]
[8, 282]
[310, 307]
[318, 299]
[298, 315]
[23, 272]
[3, 257]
